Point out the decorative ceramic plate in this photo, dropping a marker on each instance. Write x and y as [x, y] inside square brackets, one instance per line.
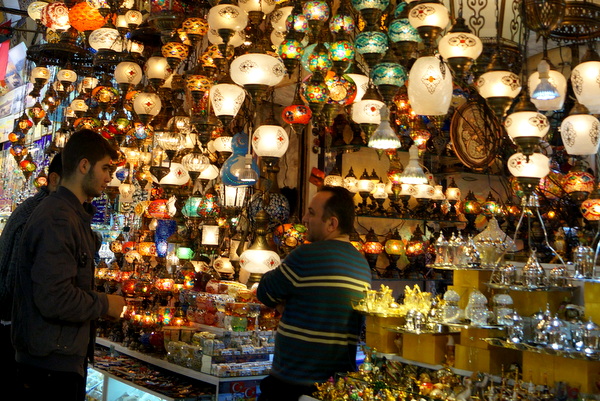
[475, 135]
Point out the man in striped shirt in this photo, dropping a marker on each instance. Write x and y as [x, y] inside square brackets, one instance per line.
[314, 287]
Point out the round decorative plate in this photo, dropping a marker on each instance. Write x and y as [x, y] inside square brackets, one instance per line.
[475, 134]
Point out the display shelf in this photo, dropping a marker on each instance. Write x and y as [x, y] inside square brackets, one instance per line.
[565, 352]
[159, 362]
[454, 268]
[115, 387]
[524, 288]
[443, 330]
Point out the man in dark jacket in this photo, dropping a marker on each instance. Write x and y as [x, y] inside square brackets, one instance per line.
[55, 304]
[9, 243]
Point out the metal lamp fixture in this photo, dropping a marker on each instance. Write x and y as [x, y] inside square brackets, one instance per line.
[545, 99]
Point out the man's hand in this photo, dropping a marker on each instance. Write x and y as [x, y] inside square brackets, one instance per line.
[116, 303]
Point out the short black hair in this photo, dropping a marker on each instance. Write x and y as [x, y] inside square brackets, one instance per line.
[85, 144]
[55, 165]
[341, 205]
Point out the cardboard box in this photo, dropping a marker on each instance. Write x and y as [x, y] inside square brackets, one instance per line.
[493, 360]
[472, 337]
[378, 337]
[426, 348]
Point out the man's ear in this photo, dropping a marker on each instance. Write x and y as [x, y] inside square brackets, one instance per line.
[53, 179]
[84, 166]
[333, 223]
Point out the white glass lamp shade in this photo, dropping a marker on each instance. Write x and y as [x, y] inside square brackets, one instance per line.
[408, 189]
[257, 69]
[413, 172]
[585, 79]
[379, 192]
[453, 193]
[127, 72]
[40, 73]
[226, 99]
[55, 16]
[66, 75]
[362, 83]
[333, 180]
[538, 165]
[365, 185]
[79, 105]
[121, 22]
[560, 83]
[236, 40]
[499, 84]
[430, 86]
[222, 143]
[227, 16]
[277, 37]
[429, 14]
[264, 6]
[424, 191]
[367, 111]
[460, 44]
[279, 18]
[259, 260]
[580, 134]
[34, 9]
[133, 18]
[210, 235]
[87, 84]
[178, 175]
[106, 39]
[126, 191]
[270, 141]
[133, 47]
[147, 103]
[209, 173]
[384, 137]
[438, 193]
[526, 124]
[157, 67]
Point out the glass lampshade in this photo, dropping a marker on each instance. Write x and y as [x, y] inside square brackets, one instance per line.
[257, 69]
[317, 58]
[362, 83]
[178, 175]
[538, 165]
[277, 37]
[34, 9]
[227, 16]
[400, 30]
[424, 191]
[367, 111]
[316, 10]
[370, 4]
[556, 79]
[429, 86]
[460, 44]
[341, 50]
[384, 136]
[41, 74]
[66, 75]
[392, 74]
[106, 39]
[226, 99]
[157, 67]
[429, 14]
[270, 141]
[133, 18]
[371, 42]
[259, 260]
[127, 72]
[279, 17]
[499, 84]
[55, 16]
[413, 172]
[580, 132]
[84, 17]
[590, 208]
[264, 6]
[526, 124]
[237, 38]
[296, 113]
[209, 173]
[233, 196]
[79, 105]
[584, 78]
[578, 180]
[195, 161]
[334, 178]
[147, 103]
[223, 143]
[342, 22]
[290, 48]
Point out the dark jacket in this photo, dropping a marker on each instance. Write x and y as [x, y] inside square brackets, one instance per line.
[9, 246]
[54, 303]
